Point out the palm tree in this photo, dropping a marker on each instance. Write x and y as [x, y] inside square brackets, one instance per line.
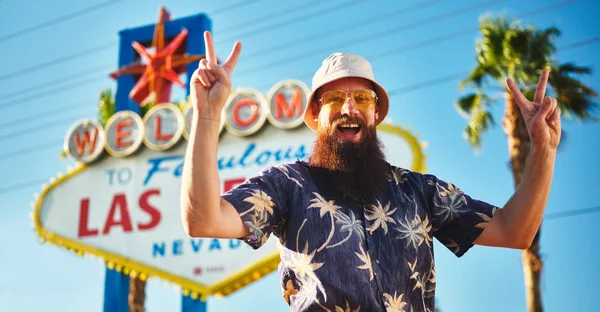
[508, 49]
[137, 294]
[106, 106]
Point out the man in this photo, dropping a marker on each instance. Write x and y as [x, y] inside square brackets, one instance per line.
[355, 232]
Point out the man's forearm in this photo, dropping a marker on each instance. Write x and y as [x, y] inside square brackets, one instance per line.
[522, 214]
[200, 193]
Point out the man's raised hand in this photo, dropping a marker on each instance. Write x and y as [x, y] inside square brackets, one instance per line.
[542, 116]
[211, 83]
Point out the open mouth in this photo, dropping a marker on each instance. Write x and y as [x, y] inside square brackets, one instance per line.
[348, 130]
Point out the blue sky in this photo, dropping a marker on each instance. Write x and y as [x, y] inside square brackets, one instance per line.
[35, 276]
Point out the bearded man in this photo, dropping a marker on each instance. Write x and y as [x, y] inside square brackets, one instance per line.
[355, 232]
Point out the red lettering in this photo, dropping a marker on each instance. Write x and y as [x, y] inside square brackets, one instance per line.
[253, 113]
[84, 215]
[231, 183]
[86, 141]
[119, 203]
[157, 130]
[121, 135]
[282, 108]
[152, 211]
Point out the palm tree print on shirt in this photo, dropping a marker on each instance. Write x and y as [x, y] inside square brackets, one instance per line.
[325, 207]
[394, 303]
[348, 223]
[450, 200]
[381, 215]
[414, 232]
[261, 203]
[365, 257]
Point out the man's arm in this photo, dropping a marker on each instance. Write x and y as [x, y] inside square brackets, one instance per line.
[204, 212]
[515, 226]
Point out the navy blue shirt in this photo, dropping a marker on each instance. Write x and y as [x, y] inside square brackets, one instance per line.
[340, 254]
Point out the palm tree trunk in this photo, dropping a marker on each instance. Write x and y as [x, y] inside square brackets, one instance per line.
[137, 294]
[519, 146]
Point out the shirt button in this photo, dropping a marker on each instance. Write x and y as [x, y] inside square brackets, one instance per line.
[377, 261]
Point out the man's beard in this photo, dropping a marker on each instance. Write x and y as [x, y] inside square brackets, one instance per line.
[355, 169]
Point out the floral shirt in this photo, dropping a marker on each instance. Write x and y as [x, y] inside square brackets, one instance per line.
[339, 254]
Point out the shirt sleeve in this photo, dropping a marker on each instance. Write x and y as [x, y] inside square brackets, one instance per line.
[261, 202]
[457, 219]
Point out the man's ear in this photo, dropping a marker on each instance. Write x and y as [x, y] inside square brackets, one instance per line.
[314, 107]
[376, 113]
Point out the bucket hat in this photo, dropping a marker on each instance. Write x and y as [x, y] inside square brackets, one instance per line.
[341, 65]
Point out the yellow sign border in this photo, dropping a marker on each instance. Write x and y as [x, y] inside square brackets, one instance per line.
[191, 288]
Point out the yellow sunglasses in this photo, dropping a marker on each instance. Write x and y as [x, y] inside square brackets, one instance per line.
[364, 100]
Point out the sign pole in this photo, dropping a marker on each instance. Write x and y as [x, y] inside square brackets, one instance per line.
[116, 291]
[188, 304]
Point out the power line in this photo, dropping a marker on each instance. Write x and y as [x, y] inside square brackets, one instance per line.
[458, 75]
[47, 113]
[30, 149]
[249, 33]
[368, 37]
[434, 40]
[343, 28]
[58, 20]
[278, 14]
[234, 6]
[56, 81]
[37, 128]
[93, 50]
[570, 213]
[53, 91]
[19, 186]
[62, 59]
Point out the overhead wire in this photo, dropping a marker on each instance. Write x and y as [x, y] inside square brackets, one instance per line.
[57, 80]
[438, 39]
[102, 47]
[58, 20]
[53, 91]
[62, 59]
[295, 19]
[343, 28]
[278, 14]
[56, 110]
[387, 32]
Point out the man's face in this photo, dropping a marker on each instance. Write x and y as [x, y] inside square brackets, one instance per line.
[351, 122]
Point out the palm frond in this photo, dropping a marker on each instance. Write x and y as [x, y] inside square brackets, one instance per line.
[574, 98]
[481, 120]
[106, 106]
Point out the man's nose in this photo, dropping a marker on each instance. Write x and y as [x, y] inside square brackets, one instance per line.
[349, 108]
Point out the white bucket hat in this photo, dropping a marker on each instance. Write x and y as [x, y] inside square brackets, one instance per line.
[340, 65]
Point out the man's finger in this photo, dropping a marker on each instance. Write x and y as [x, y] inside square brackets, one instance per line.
[546, 109]
[540, 90]
[232, 60]
[520, 99]
[209, 47]
[555, 117]
[220, 73]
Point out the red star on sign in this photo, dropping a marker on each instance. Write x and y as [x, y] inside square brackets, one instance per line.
[161, 68]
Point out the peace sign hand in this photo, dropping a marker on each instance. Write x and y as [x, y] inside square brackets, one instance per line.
[211, 83]
[542, 118]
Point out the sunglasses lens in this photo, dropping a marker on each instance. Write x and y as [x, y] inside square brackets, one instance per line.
[363, 99]
[334, 100]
